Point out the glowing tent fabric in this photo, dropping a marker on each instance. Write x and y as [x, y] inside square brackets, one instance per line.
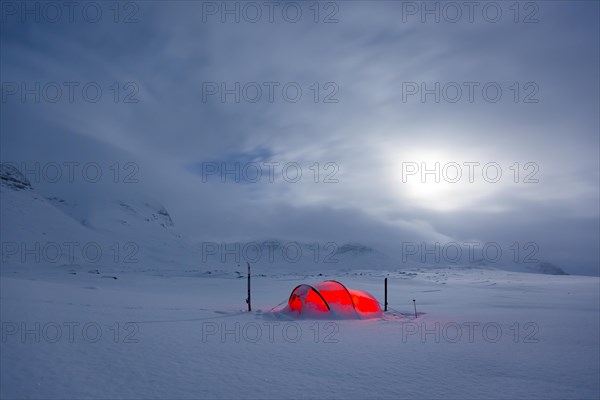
[331, 299]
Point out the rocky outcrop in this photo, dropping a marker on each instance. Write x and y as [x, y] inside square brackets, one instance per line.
[12, 178]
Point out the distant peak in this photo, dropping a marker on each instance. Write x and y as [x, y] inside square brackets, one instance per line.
[547, 268]
[12, 178]
[355, 248]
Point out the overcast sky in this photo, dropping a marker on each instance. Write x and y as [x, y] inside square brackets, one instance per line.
[362, 68]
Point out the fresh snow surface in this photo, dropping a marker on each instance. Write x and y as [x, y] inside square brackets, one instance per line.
[142, 336]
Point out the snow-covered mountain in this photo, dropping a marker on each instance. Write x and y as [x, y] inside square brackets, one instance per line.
[127, 233]
[277, 256]
[134, 233]
[546, 268]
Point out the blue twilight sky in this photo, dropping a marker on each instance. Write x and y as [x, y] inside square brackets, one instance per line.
[362, 69]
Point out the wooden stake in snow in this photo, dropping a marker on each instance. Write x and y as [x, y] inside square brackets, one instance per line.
[385, 295]
[248, 299]
[415, 304]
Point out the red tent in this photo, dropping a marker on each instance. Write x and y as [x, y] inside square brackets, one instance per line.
[331, 299]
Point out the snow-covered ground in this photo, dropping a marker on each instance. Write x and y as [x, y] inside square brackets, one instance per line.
[168, 326]
[480, 334]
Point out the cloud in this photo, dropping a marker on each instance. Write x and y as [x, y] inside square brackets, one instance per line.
[354, 119]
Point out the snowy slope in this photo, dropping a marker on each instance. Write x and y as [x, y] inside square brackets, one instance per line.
[41, 232]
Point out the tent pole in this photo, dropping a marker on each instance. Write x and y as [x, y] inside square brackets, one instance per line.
[385, 303]
[248, 299]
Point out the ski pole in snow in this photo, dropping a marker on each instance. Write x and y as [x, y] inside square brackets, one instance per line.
[385, 295]
[415, 305]
[248, 299]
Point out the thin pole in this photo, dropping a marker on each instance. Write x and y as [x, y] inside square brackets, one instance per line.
[248, 299]
[385, 303]
[415, 304]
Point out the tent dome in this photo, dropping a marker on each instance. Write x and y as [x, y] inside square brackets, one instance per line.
[331, 299]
